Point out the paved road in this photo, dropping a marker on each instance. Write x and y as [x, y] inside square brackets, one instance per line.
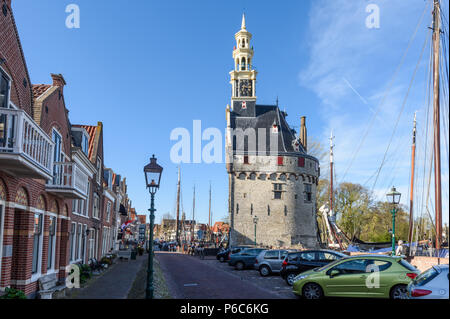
[189, 277]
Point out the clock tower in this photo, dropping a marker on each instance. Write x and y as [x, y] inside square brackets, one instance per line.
[243, 77]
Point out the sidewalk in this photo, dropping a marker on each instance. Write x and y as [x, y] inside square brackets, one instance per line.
[115, 283]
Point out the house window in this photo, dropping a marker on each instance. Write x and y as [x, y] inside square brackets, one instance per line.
[95, 209]
[57, 157]
[51, 243]
[36, 242]
[86, 207]
[108, 211]
[83, 244]
[78, 243]
[4, 90]
[308, 192]
[72, 241]
[85, 144]
[277, 190]
[99, 171]
[91, 243]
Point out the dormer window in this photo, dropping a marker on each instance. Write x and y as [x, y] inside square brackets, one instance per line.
[4, 90]
[85, 143]
[274, 128]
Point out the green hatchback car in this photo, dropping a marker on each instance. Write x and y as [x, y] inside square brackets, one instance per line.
[370, 276]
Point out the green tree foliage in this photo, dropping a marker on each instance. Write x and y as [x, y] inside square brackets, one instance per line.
[359, 214]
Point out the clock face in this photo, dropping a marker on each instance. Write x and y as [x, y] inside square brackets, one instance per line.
[245, 88]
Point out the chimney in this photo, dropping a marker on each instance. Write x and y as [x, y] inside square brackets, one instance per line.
[58, 80]
[303, 135]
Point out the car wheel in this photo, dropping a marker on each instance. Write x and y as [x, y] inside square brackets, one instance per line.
[399, 292]
[221, 259]
[290, 279]
[312, 291]
[239, 265]
[264, 271]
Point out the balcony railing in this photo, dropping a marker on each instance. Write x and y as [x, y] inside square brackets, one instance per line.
[25, 149]
[68, 181]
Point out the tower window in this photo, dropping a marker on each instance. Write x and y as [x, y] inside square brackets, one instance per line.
[308, 192]
[268, 210]
[246, 159]
[285, 210]
[277, 190]
[251, 209]
[237, 209]
[280, 160]
[301, 162]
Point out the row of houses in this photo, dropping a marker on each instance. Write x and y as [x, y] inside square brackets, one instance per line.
[59, 203]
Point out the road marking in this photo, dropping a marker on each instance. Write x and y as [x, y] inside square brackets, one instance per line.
[190, 285]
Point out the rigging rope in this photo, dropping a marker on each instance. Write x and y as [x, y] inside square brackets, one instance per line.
[386, 92]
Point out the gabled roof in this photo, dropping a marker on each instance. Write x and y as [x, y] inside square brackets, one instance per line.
[94, 137]
[39, 89]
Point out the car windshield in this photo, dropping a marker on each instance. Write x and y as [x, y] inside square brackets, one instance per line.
[327, 266]
[425, 277]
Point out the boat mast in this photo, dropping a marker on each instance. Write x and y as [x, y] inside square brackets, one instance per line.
[209, 217]
[331, 172]
[436, 115]
[178, 208]
[411, 194]
[193, 216]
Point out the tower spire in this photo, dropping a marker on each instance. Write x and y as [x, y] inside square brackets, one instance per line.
[243, 22]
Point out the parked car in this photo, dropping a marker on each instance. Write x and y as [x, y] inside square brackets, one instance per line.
[373, 276]
[298, 262]
[269, 261]
[245, 258]
[431, 284]
[224, 255]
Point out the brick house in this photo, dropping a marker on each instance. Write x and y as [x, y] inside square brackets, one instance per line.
[58, 204]
[35, 164]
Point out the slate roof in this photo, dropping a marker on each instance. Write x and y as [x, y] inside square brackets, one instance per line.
[265, 116]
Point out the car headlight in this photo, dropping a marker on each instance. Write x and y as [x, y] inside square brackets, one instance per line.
[300, 277]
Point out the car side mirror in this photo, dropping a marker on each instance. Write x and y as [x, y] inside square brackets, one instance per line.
[334, 273]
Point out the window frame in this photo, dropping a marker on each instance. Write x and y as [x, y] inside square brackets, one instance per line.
[51, 253]
[4, 75]
[39, 237]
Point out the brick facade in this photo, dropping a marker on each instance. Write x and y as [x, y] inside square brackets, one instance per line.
[27, 206]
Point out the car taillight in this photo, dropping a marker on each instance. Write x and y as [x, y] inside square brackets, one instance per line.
[411, 275]
[420, 292]
[284, 264]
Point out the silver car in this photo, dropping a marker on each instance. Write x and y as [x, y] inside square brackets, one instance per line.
[270, 261]
[431, 284]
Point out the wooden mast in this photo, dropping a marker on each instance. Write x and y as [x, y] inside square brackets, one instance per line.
[193, 216]
[411, 194]
[331, 199]
[436, 116]
[178, 208]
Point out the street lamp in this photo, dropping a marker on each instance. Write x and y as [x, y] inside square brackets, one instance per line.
[255, 221]
[152, 173]
[393, 198]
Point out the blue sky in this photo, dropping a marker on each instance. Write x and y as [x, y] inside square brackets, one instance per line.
[144, 68]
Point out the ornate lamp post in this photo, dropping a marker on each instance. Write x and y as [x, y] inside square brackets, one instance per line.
[393, 197]
[152, 173]
[255, 221]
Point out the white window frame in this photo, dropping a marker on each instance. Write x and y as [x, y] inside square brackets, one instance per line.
[38, 272]
[108, 211]
[96, 208]
[91, 240]
[52, 261]
[9, 79]
[99, 171]
[73, 236]
[86, 207]
[79, 239]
